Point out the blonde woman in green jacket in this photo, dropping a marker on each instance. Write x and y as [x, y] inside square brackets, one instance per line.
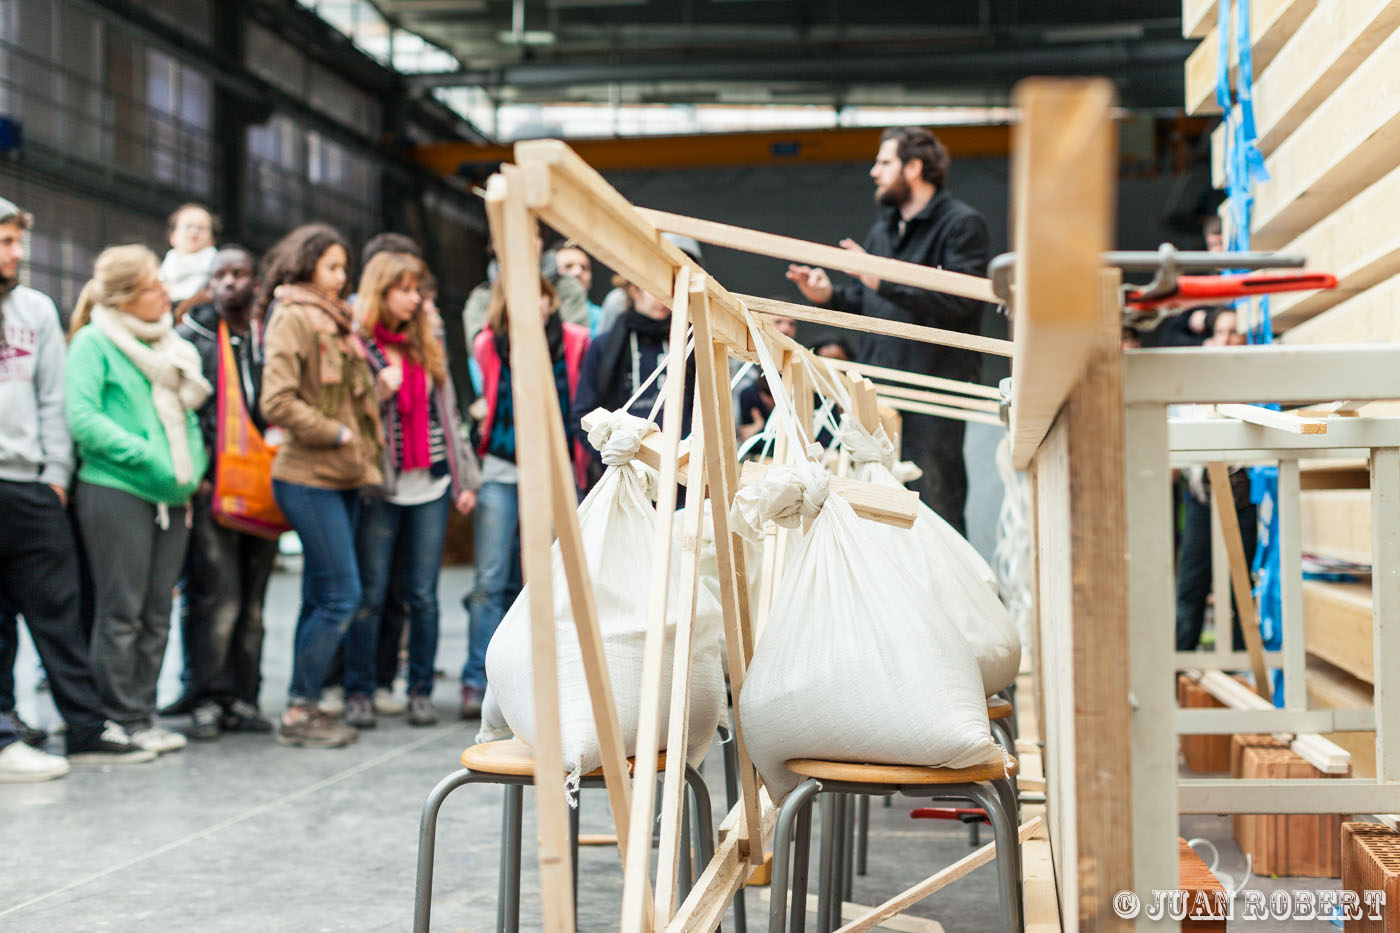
[133, 386]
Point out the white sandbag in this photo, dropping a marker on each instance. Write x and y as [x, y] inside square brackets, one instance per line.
[493, 722]
[855, 662]
[956, 577]
[709, 610]
[617, 525]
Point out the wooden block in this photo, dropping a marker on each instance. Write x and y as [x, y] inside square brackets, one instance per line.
[763, 874]
[1337, 523]
[1330, 687]
[892, 505]
[1203, 753]
[1278, 420]
[1337, 625]
[1197, 880]
[1358, 243]
[1371, 862]
[1333, 474]
[1348, 143]
[1300, 845]
[1271, 23]
[1367, 317]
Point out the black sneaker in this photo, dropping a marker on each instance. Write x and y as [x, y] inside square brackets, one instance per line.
[181, 707]
[113, 746]
[35, 738]
[205, 721]
[242, 716]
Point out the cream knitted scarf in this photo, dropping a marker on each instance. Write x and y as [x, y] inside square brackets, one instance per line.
[172, 365]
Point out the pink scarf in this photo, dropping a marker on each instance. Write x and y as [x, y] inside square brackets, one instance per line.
[413, 403]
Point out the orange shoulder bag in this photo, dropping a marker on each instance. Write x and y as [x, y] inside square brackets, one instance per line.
[243, 461]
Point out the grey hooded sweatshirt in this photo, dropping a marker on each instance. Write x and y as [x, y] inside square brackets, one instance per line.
[34, 441]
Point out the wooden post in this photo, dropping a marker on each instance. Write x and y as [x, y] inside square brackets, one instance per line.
[1239, 575]
[520, 265]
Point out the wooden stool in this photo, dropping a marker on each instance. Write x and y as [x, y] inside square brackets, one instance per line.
[511, 762]
[987, 785]
[1001, 717]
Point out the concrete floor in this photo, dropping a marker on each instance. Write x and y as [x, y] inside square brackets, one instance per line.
[244, 834]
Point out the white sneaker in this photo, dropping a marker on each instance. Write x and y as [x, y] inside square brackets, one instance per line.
[158, 740]
[21, 764]
[332, 701]
[386, 704]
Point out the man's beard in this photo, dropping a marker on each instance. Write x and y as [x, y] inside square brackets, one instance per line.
[8, 283]
[896, 194]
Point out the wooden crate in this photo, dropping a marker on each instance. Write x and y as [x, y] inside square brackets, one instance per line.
[1196, 877]
[1371, 862]
[1301, 845]
[1203, 753]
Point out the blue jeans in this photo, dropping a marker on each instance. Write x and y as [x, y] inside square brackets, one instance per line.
[407, 541]
[324, 519]
[498, 580]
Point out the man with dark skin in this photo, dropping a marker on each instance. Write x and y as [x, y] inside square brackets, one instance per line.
[227, 571]
[919, 222]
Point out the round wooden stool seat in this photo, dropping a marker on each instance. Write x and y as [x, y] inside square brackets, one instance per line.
[996, 766]
[514, 758]
[997, 708]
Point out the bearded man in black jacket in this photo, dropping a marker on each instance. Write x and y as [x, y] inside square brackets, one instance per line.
[919, 222]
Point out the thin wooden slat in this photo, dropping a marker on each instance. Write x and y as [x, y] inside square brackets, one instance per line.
[875, 325]
[918, 379]
[1224, 501]
[634, 888]
[1267, 417]
[1063, 183]
[937, 881]
[704, 907]
[678, 727]
[942, 411]
[830, 257]
[939, 398]
[723, 484]
[519, 265]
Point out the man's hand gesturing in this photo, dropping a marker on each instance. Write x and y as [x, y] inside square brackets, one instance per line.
[813, 282]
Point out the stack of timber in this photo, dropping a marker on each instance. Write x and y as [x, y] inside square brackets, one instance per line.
[1300, 845]
[1202, 753]
[1371, 862]
[1328, 120]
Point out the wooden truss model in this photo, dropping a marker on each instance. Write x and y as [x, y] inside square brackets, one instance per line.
[1063, 184]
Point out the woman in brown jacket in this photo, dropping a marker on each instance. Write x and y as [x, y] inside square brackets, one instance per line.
[318, 389]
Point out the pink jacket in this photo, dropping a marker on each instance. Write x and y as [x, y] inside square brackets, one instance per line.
[484, 351]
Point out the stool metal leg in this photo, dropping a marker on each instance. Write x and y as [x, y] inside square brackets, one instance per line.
[731, 797]
[801, 857]
[795, 803]
[1008, 854]
[826, 863]
[684, 876]
[704, 817]
[427, 846]
[848, 850]
[862, 832]
[573, 843]
[508, 901]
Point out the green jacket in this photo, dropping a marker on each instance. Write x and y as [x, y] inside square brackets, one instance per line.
[113, 421]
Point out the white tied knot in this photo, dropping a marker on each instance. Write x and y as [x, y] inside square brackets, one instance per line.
[863, 446]
[618, 438]
[784, 494]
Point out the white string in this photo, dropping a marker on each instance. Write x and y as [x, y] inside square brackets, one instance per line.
[782, 405]
[661, 364]
[1013, 548]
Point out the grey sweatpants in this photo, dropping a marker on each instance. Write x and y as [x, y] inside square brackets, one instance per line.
[135, 566]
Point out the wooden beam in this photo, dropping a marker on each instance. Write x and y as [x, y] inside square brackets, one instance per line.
[875, 325]
[1348, 143]
[1367, 317]
[938, 881]
[519, 265]
[1271, 24]
[1268, 418]
[1224, 500]
[1336, 523]
[918, 379]
[1338, 625]
[1197, 17]
[1357, 243]
[1063, 181]
[1321, 753]
[830, 257]
[889, 505]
